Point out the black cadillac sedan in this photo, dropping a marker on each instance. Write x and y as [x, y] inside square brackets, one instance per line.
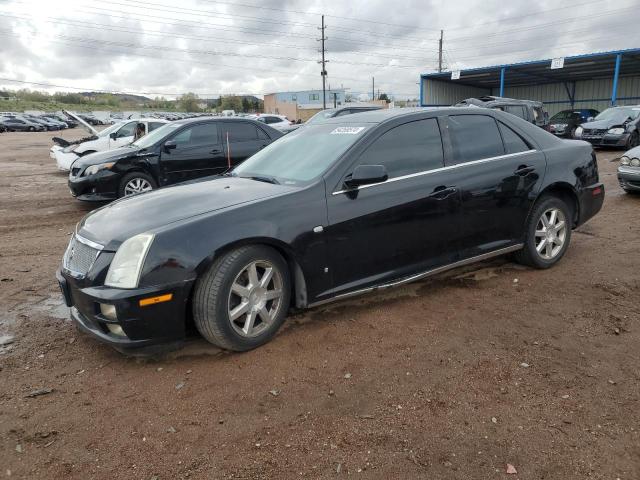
[174, 153]
[347, 206]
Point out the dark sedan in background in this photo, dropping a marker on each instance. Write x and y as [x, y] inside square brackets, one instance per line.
[176, 152]
[614, 127]
[331, 210]
[565, 123]
[19, 124]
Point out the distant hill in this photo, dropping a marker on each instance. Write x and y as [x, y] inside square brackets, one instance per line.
[124, 97]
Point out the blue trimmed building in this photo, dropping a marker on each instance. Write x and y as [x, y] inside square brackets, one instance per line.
[595, 80]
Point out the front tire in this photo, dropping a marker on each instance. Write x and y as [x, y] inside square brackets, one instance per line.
[243, 299]
[32, 129]
[136, 183]
[548, 233]
[633, 141]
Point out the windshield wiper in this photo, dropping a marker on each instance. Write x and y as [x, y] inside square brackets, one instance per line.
[263, 178]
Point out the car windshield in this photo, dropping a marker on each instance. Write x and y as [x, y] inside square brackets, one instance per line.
[320, 116]
[565, 115]
[157, 134]
[619, 114]
[302, 155]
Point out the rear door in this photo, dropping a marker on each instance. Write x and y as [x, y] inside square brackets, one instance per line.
[498, 173]
[198, 153]
[405, 225]
[241, 140]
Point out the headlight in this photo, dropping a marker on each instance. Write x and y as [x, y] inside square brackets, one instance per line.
[93, 169]
[69, 148]
[625, 161]
[579, 132]
[616, 131]
[561, 125]
[125, 269]
[635, 162]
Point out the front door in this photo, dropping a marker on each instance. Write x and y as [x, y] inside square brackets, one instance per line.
[197, 153]
[123, 136]
[405, 225]
[499, 174]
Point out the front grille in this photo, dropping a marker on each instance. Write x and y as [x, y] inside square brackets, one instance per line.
[594, 131]
[79, 257]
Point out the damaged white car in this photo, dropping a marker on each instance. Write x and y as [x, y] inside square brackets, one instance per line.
[66, 152]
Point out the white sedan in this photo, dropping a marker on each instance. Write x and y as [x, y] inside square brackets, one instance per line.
[114, 136]
[279, 122]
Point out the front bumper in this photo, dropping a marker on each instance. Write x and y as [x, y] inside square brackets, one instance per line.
[629, 178]
[606, 140]
[152, 327]
[100, 187]
[64, 160]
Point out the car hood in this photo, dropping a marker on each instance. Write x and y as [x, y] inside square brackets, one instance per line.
[106, 156]
[122, 219]
[633, 153]
[81, 122]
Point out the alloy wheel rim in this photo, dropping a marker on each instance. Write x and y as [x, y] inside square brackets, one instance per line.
[136, 186]
[255, 298]
[551, 233]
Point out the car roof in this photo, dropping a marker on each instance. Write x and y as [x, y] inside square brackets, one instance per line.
[379, 116]
[184, 121]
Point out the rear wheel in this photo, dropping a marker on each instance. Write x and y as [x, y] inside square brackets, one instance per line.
[32, 129]
[136, 183]
[548, 233]
[243, 299]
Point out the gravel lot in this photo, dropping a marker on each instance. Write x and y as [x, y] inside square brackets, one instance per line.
[454, 377]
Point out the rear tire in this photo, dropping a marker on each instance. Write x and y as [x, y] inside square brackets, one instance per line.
[135, 183]
[32, 129]
[548, 233]
[243, 299]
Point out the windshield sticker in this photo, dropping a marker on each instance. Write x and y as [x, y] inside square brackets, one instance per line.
[347, 131]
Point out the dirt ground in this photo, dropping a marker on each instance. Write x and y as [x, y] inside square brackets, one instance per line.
[451, 378]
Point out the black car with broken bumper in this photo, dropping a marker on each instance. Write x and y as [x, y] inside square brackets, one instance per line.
[173, 153]
[614, 127]
[331, 210]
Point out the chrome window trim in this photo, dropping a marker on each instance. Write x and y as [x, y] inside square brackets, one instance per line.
[89, 243]
[437, 170]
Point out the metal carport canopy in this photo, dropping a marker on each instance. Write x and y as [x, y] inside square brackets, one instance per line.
[538, 72]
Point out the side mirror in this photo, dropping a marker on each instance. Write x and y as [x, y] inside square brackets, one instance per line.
[113, 135]
[366, 175]
[170, 145]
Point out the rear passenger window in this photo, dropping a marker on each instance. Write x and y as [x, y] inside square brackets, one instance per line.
[513, 143]
[474, 137]
[410, 148]
[240, 132]
[516, 110]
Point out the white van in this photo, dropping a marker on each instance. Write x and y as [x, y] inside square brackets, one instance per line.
[228, 113]
[117, 135]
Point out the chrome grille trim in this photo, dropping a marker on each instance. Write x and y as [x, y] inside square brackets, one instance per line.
[80, 256]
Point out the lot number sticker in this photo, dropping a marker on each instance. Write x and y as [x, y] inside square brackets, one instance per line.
[347, 130]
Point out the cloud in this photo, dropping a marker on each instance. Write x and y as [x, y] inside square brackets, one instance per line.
[212, 48]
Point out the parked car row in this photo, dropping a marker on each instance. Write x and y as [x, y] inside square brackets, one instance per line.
[339, 207]
[24, 122]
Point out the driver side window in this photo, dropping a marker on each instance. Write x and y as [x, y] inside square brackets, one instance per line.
[127, 130]
[413, 147]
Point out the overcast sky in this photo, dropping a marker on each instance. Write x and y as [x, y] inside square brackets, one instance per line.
[262, 46]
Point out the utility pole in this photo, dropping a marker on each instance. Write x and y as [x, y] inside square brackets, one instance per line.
[324, 70]
[373, 88]
[440, 51]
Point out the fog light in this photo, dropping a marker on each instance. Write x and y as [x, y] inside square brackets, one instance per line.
[108, 311]
[116, 329]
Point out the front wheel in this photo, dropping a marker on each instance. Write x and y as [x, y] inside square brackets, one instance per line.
[634, 140]
[548, 233]
[32, 129]
[243, 299]
[136, 183]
